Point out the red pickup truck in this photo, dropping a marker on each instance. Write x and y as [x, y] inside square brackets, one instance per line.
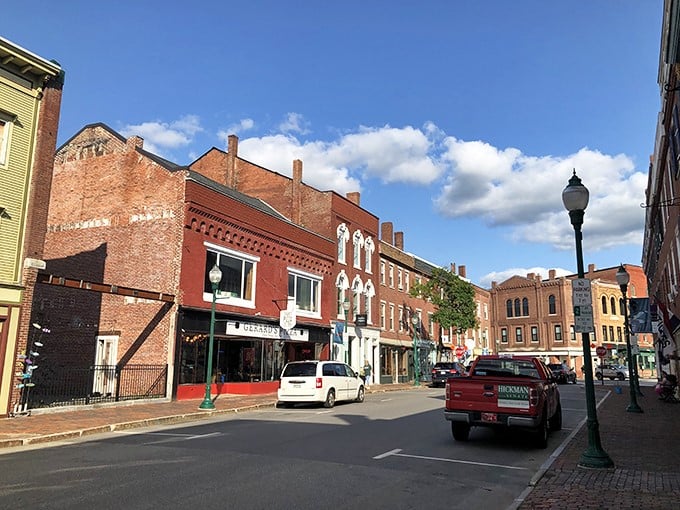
[503, 391]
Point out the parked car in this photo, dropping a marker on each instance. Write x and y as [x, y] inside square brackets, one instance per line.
[563, 374]
[443, 370]
[612, 372]
[323, 382]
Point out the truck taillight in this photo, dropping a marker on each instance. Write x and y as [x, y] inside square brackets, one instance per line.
[533, 397]
[448, 390]
[319, 382]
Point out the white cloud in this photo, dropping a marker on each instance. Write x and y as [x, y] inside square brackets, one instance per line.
[388, 154]
[294, 123]
[501, 276]
[235, 129]
[162, 136]
[508, 188]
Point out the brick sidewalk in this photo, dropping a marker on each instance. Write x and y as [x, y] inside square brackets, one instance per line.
[645, 449]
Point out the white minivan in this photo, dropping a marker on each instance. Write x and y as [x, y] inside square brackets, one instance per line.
[324, 382]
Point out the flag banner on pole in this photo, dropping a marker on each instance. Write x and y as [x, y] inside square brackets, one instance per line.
[338, 332]
[640, 318]
[666, 326]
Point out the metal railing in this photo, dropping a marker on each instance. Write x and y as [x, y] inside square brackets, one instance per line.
[72, 386]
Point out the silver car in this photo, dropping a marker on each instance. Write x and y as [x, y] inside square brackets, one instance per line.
[612, 372]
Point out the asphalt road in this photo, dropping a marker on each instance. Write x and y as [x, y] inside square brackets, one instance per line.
[393, 451]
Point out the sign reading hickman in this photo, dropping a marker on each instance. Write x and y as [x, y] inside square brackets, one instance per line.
[516, 397]
[259, 330]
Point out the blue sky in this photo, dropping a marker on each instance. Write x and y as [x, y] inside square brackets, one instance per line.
[458, 121]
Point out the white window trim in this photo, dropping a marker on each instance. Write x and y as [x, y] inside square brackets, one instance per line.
[4, 140]
[231, 300]
[311, 276]
[369, 246]
[342, 234]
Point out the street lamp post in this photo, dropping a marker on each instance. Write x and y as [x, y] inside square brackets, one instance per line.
[215, 276]
[345, 307]
[622, 278]
[575, 198]
[416, 354]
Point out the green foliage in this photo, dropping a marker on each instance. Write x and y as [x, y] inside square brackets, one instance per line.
[452, 297]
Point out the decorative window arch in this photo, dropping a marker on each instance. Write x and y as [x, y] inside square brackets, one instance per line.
[369, 293]
[525, 307]
[357, 290]
[508, 308]
[342, 285]
[518, 309]
[342, 234]
[612, 304]
[369, 247]
[357, 244]
[604, 304]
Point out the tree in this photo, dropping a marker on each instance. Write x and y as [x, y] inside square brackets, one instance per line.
[453, 298]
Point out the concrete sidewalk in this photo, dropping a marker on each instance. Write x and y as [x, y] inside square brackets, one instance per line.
[645, 447]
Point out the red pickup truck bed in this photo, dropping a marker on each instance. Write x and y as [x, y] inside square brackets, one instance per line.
[517, 392]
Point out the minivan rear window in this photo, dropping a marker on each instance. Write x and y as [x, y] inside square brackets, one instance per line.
[299, 370]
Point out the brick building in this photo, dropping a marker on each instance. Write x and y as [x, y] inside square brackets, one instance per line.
[30, 106]
[532, 315]
[661, 246]
[355, 231]
[143, 233]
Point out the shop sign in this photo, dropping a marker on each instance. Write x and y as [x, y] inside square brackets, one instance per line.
[262, 330]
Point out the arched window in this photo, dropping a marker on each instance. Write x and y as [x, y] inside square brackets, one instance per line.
[552, 309]
[612, 303]
[525, 307]
[518, 310]
[604, 304]
[508, 308]
[342, 234]
[621, 306]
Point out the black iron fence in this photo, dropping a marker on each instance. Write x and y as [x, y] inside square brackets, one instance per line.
[67, 386]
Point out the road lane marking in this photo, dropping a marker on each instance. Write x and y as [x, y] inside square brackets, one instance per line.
[396, 453]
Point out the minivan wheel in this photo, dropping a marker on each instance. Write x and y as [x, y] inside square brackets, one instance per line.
[621, 377]
[330, 399]
[361, 394]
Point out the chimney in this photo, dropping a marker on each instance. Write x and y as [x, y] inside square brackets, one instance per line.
[591, 268]
[399, 240]
[551, 274]
[232, 154]
[134, 142]
[461, 272]
[531, 276]
[386, 233]
[354, 197]
[297, 191]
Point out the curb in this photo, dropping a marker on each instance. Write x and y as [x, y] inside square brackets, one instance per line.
[147, 422]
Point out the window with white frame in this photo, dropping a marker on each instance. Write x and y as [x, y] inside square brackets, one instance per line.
[238, 275]
[382, 315]
[400, 279]
[391, 317]
[4, 139]
[369, 294]
[390, 276]
[357, 245]
[369, 248]
[407, 282]
[342, 234]
[342, 285]
[357, 289]
[382, 273]
[305, 289]
[486, 311]
[400, 312]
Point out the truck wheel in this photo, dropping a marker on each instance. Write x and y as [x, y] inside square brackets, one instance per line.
[556, 419]
[541, 433]
[460, 431]
[330, 399]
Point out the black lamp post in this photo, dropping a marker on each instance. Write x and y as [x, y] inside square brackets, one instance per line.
[215, 276]
[575, 198]
[622, 278]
